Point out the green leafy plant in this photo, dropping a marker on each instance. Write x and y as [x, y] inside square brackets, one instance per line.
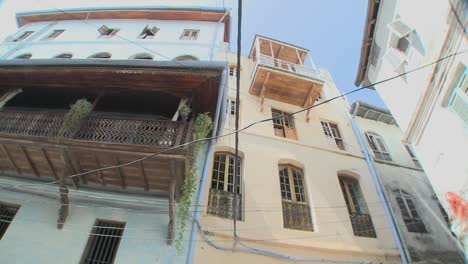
[75, 116]
[201, 127]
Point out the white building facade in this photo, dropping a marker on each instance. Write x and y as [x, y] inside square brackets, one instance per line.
[430, 104]
[123, 215]
[422, 224]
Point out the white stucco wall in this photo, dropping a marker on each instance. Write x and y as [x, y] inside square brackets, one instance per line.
[81, 38]
[33, 237]
[444, 138]
[333, 236]
[438, 245]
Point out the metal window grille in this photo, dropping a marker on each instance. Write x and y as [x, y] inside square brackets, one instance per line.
[361, 220]
[103, 242]
[409, 212]
[296, 210]
[221, 196]
[7, 213]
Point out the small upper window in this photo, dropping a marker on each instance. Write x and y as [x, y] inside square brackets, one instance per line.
[107, 32]
[54, 34]
[24, 56]
[283, 124]
[101, 55]
[190, 34]
[332, 133]
[142, 56]
[149, 32]
[64, 56]
[410, 215]
[377, 145]
[320, 97]
[186, 58]
[399, 39]
[233, 71]
[23, 36]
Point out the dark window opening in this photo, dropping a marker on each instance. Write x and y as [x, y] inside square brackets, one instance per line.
[103, 242]
[64, 56]
[24, 56]
[7, 213]
[147, 105]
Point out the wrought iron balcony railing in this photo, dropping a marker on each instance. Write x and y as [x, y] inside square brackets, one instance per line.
[220, 203]
[297, 216]
[99, 129]
[362, 225]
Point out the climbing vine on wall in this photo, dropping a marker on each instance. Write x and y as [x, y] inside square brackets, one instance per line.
[201, 127]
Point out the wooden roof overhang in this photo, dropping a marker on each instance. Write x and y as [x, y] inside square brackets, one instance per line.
[196, 80]
[283, 86]
[189, 14]
[367, 40]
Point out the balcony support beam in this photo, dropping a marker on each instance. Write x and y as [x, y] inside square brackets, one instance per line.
[299, 57]
[262, 92]
[170, 226]
[10, 160]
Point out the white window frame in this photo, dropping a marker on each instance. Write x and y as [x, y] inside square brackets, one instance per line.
[149, 32]
[23, 36]
[380, 149]
[333, 136]
[233, 71]
[398, 58]
[190, 34]
[106, 32]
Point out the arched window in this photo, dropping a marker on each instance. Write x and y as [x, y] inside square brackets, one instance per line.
[296, 209]
[357, 207]
[186, 58]
[378, 146]
[101, 55]
[24, 56]
[221, 196]
[64, 56]
[141, 56]
[408, 210]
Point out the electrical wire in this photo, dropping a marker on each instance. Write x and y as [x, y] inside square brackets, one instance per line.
[254, 123]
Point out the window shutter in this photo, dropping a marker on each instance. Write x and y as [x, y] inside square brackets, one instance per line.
[399, 28]
[154, 30]
[104, 30]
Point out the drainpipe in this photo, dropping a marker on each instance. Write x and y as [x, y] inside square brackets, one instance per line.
[378, 185]
[222, 91]
[28, 41]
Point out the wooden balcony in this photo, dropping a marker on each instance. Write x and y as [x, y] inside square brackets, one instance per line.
[29, 148]
[280, 73]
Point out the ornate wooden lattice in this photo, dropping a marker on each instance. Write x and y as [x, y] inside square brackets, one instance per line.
[30, 124]
[138, 132]
[112, 130]
[220, 203]
[362, 225]
[297, 216]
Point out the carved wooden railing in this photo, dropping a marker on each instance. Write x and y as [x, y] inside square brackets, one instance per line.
[287, 66]
[220, 203]
[297, 216]
[100, 129]
[362, 225]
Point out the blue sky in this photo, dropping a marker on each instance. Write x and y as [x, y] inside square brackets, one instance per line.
[331, 29]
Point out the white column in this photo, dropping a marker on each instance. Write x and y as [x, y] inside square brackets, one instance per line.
[299, 57]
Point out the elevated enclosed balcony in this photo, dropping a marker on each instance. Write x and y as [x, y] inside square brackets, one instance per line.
[135, 113]
[283, 72]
